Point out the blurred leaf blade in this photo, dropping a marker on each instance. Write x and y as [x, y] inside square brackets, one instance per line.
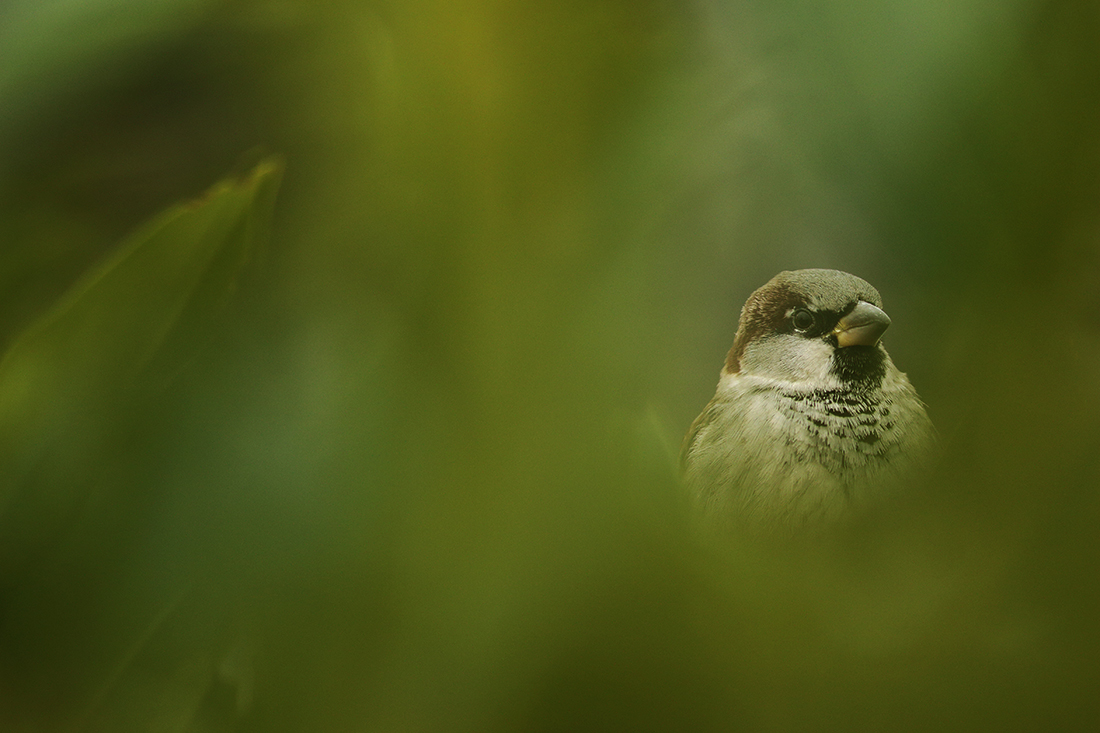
[143, 309]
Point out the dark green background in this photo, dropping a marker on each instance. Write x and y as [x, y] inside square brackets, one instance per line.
[420, 473]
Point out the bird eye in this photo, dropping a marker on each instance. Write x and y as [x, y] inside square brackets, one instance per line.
[802, 320]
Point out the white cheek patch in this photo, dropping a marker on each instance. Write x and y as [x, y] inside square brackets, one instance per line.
[789, 358]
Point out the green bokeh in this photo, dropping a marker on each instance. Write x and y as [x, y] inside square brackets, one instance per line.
[418, 474]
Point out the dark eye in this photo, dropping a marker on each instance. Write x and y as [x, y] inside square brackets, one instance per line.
[802, 320]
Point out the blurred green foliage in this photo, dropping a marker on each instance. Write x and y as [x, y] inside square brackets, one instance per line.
[412, 468]
[131, 320]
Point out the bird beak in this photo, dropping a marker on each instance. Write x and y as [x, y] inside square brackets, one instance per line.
[863, 326]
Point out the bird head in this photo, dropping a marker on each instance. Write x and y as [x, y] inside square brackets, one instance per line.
[819, 328]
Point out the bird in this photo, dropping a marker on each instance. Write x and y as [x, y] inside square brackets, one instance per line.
[811, 419]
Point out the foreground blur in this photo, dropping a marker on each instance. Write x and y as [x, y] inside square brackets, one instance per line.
[417, 472]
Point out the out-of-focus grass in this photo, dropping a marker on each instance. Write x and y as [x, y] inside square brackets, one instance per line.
[419, 476]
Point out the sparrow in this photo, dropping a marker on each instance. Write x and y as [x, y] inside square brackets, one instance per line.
[811, 417]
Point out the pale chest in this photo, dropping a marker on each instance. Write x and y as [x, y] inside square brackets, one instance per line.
[802, 453]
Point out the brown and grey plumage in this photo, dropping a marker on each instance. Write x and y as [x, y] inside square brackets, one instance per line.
[811, 417]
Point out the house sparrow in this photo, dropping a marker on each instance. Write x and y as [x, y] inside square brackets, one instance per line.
[811, 416]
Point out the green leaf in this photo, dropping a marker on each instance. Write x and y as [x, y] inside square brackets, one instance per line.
[66, 381]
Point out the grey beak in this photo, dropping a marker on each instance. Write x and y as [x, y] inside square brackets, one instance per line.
[863, 326]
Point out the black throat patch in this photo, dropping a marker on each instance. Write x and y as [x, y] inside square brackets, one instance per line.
[859, 366]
